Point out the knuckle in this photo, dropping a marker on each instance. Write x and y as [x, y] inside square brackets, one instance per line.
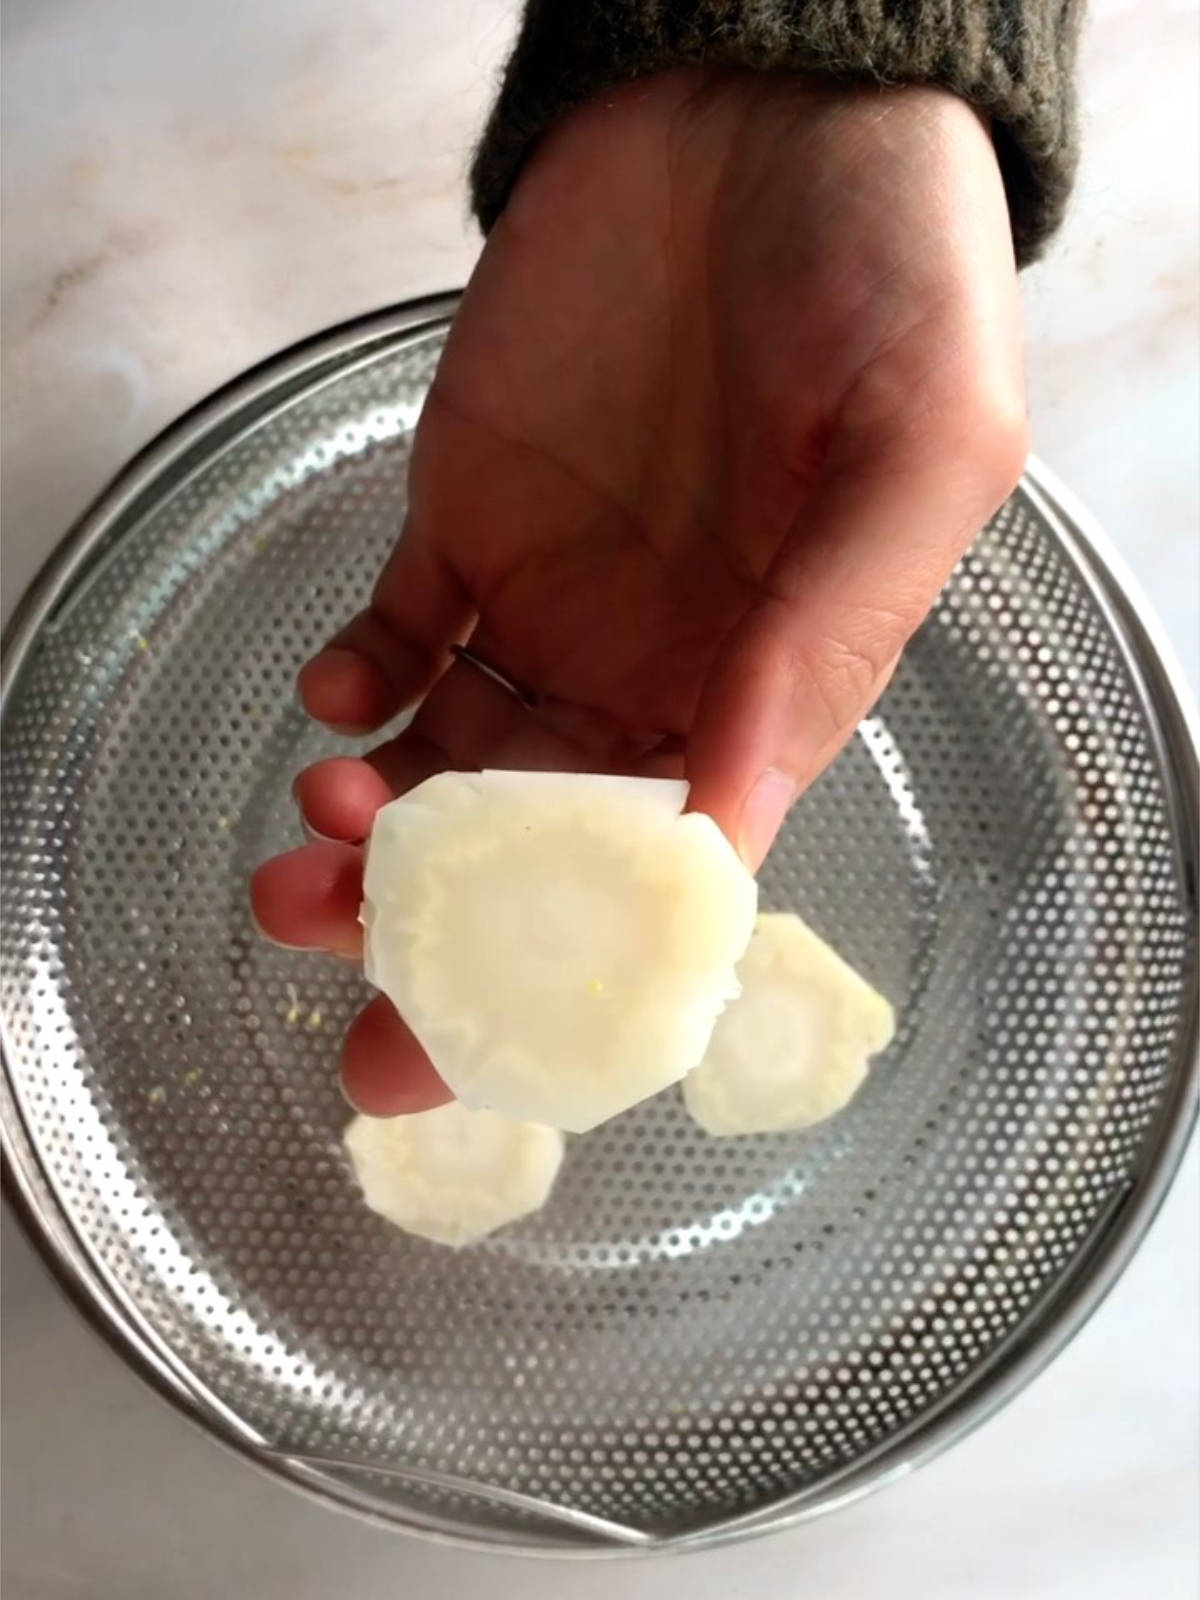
[1001, 435]
[1011, 450]
[844, 671]
[987, 422]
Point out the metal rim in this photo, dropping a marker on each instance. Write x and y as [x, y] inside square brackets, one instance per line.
[1048, 1327]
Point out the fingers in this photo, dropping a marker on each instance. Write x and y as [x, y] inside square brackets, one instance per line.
[308, 899]
[476, 723]
[345, 689]
[466, 722]
[838, 605]
[385, 1072]
[338, 798]
[388, 655]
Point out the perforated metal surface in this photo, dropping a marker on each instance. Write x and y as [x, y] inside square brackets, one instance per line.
[693, 1329]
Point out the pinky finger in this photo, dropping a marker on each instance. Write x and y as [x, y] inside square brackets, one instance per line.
[385, 1072]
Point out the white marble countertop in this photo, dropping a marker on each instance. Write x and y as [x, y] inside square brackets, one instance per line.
[188, 190]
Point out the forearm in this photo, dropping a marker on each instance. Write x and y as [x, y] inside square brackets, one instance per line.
[1014, 59]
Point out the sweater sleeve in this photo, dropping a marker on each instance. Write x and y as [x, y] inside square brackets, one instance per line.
[1014, 59]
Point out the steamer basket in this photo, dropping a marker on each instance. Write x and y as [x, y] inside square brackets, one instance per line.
[697, 1338]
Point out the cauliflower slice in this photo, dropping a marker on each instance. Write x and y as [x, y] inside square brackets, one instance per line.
[793, 1049]
[560, 943]
[453, 1175]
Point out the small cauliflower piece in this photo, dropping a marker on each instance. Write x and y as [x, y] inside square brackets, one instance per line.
[794, 1047]
[453, 1175]
[560, 943]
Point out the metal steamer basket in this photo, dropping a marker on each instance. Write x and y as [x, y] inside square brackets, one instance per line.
[697, 1338]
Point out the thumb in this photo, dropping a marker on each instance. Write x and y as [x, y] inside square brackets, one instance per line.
[853, 580]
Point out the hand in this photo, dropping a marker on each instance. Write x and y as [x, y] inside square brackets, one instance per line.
[736, 380]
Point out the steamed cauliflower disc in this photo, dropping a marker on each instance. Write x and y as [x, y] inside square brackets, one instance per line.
[453, 1175]
[560, 943]
[794, 1047]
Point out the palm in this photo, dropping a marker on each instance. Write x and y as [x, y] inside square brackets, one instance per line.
[736, 378]
[655, 369]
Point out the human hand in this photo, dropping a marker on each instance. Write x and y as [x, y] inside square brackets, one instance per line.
[736, 380]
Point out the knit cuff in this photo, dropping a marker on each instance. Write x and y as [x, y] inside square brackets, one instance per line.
[1013, 59]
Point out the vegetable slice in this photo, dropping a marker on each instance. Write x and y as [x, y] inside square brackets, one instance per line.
[793, 1049]
[453, 1175]
[560, 943]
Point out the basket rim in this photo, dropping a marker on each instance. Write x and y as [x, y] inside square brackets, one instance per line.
[1046, 1329]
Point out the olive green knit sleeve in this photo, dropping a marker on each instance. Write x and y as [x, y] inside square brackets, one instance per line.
[1014, 59]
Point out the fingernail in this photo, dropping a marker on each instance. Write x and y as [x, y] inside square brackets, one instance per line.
[312, 835]
[280, 944]
[762, 817]
[353, 1104]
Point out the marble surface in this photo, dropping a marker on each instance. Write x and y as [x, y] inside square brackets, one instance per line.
[186, 191]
